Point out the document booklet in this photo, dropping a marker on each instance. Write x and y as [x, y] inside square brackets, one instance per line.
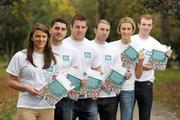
[56, 89]
[158, 58]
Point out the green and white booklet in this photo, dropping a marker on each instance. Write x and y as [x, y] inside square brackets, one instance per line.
[116, 79]
[94, 81]
[75, 77]
[129, 56]
[158, 58]
[56, 89]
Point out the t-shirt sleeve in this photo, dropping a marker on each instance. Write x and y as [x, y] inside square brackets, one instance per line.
[14, 66]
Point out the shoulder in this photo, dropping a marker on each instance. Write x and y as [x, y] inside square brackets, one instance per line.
[20, 54]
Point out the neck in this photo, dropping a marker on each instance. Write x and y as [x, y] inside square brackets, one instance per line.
[100, 41]
[143, 36]
[76, 39]
[126, 41]
[56, 42]
[39, 50]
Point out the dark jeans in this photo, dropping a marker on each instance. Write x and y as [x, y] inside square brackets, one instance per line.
[64, 109]
[85, 109]
[144, 97]
[107, 108]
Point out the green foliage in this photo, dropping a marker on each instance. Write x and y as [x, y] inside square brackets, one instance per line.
[168, 75]
[17, 17]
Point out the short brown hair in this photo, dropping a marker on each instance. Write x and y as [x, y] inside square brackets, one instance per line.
[101, 21]
[145, 16]
[126, 20]
[80, 18]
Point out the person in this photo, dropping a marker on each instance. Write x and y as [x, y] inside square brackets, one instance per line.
[107, 103]
[144, 84]
[84, 108]
[31, 69]
[126, 28]
[67, 59]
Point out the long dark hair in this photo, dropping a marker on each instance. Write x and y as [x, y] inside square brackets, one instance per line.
[48, 54]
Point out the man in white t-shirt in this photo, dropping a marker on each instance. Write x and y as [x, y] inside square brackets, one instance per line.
[84, 108]
[144, 85]
[67, 59]
[107, 104]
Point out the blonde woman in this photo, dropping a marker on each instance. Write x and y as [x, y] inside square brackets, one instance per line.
[126, 28]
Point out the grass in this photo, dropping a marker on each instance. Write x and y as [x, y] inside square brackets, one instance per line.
[166, 90]
[7, 96]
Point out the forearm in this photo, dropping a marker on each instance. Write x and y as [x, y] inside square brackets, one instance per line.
[14, 83]
[138, 69]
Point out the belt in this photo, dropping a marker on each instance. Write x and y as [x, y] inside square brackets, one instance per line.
[143, 83]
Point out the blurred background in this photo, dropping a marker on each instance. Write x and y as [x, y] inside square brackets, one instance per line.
[17, 17]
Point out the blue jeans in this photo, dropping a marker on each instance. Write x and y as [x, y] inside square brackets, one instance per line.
[126, 99]
[144, 98]
[107, 108]
[85, 109]
[64, 109]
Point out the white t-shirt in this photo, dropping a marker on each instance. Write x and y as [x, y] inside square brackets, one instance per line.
[107, 58]
[129, 84]
[86, 53]
[146, 44]
[67, 56]
[29, 74]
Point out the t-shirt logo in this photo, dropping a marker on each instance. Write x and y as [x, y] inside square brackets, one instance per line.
[108, 58]
[50, 69]
[87, 55]
[65, 57]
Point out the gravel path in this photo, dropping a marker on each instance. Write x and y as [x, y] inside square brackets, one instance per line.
[158, 113]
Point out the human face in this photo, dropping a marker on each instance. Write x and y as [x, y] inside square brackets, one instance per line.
[78, 30]
[145, 27]
[58, 32]
[126, 30]
[39, 39]
[102, 32]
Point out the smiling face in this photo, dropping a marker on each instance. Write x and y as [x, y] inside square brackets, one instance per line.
[126, 30]
[39, 39]
[58, 32]
[78, 29]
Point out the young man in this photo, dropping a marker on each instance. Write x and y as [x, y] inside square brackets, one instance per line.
[85, 108]
[144, 85]
[107, 104]
[67, 59]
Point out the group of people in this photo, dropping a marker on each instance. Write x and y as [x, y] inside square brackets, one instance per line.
[49, 52]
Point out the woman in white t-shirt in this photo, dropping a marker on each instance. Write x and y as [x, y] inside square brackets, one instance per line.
[28, 71]
[126, 28]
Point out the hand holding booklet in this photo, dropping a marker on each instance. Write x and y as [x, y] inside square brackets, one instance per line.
[75, 77]
[94, 81]
[115, 80]
[56, 89]
[129, 57]
[158, 58]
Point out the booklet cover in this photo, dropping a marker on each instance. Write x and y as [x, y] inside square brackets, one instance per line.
[129, 57]
[158, 58]
[116, 79]
[56, 89]
[94, 80]
[75, 77]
